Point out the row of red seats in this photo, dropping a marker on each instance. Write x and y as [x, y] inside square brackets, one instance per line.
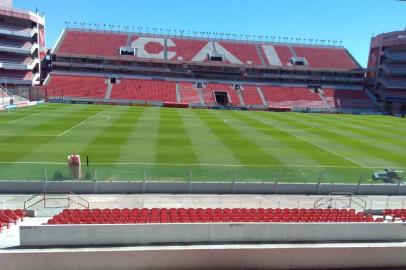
[251, 96]
[118, 211]
[108, 44]
[92, 43]
[9, 216]
[76, 86]
[245, 52]
[282, 96]
[199, 215]
[347, 98]
[188, 93]
[149, 90]
[394, 214]
[165, 91]
[319, 57]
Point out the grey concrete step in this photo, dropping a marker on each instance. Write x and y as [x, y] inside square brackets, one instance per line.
[261, 95]
[108, 92]
[48, 211]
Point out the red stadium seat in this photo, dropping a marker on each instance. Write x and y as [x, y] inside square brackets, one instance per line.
[289, 97]
[76, 86]
[108, 44]
[353, 99]
[326, 57]
[146, 90]
[200, 215]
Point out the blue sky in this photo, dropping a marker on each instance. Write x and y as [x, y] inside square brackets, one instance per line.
[352, 21]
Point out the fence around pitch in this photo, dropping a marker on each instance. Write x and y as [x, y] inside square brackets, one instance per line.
[194, 173]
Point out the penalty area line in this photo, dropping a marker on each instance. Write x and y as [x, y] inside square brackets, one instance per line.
[305, 140]
[79, 124]
[310, 127]
[22, 118]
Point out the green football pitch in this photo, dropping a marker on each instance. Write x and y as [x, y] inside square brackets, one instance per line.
[135, 143]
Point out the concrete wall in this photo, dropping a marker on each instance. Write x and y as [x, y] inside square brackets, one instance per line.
[89, 187]
[130, 234]
[278, 256]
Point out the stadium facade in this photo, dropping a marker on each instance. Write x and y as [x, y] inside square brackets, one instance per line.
[137, 68]
[22, 48]
[65, 231]
[386, 72]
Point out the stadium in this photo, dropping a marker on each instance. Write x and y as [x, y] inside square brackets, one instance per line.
[140, 148]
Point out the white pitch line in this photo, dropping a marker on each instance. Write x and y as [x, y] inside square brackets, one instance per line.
[107, 118]
[203, 164]
[23, 135]
[319, 146]
[22, 118]
[310, 127]
[79, 124]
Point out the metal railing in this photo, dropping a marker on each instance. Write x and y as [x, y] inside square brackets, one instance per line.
[347, 200]
[47, 196]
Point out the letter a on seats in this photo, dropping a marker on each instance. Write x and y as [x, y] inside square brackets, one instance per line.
[209, 48]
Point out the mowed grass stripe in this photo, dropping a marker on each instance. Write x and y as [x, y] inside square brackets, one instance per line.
[52, 122]
[209, 149]
[184, 142]
[302, 147]
[319, 134]
[59, 147]
[296, 129]
[141, 144]
[386, 138]
[106, 147]
[14, 117]
[64, 122]
[174, 145]
[352, 144]
[8, 116]
[372, 122]
[243, 148]
[383, 121]
[18, 147]
[270, 141]
[366, 140]
[331, 141]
